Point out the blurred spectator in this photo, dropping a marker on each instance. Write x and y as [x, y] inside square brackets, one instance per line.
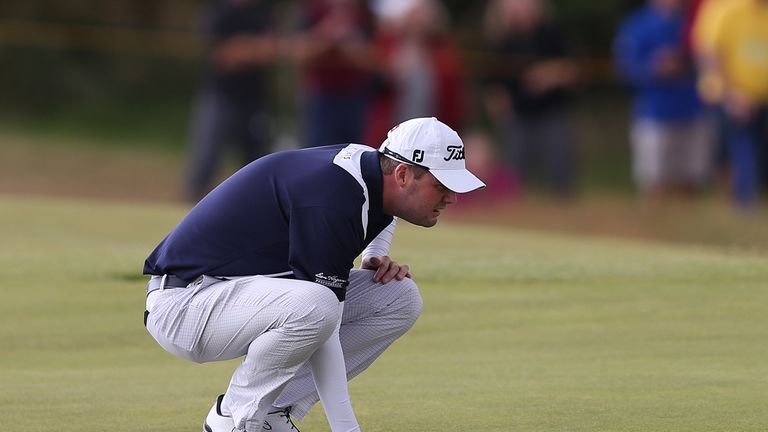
[691, 15]
[336, 54]
[671, 139]
[531, 75]
[740, 58]
[705, 17]
[706, 23]
[501, 185]
[231, 104]
[421, 74]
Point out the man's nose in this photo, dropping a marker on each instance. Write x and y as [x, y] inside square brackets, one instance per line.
[451, 197]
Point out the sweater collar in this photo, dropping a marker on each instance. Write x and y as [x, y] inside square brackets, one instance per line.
[373, 178]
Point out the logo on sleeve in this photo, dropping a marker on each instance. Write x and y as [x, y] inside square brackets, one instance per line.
[455, 153]
[331, 281]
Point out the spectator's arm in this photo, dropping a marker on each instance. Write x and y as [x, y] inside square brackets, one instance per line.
[631, 63]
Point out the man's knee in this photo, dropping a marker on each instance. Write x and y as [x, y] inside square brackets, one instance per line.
[319, 312]
[408, 306]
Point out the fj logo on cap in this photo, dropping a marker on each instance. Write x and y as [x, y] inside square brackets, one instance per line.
[418, 156]
[455, 153]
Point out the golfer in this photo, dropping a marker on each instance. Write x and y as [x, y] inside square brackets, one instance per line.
[262, 267]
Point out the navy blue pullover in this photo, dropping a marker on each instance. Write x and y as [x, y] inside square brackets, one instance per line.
[295, 213]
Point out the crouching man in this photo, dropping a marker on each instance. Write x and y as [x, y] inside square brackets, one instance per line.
[262, 268]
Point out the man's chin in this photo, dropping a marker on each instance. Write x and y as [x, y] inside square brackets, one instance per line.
[428, 223]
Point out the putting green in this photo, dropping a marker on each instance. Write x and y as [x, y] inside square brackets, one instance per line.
[521, 331]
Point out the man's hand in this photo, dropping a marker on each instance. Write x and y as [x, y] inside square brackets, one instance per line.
[386, 269]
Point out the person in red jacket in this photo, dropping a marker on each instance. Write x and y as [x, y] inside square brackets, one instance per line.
[420, 73]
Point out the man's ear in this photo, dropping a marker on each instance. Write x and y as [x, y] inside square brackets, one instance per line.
[401, 174]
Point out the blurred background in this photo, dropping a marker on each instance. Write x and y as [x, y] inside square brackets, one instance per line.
[620, 117]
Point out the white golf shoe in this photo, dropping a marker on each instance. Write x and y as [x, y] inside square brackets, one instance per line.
[279, 421]
[276, 421]
[218, 422]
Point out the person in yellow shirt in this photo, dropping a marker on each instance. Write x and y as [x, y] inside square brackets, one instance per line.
[705, 22]
[703, 45]
[740, 58]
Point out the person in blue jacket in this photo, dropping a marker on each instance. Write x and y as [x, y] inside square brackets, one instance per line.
[671, 139]
[262, 267]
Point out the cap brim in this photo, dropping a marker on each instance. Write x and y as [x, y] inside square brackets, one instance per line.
[458, 180]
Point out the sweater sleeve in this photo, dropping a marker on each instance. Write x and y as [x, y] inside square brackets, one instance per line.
[381, 244]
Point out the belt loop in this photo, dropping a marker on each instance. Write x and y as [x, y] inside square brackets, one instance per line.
[162, 282]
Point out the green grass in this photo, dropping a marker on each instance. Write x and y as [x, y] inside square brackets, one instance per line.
[521, 331]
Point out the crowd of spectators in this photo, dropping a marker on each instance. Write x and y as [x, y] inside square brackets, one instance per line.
[696, 70]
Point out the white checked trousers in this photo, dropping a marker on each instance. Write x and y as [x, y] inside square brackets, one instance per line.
[277, 324]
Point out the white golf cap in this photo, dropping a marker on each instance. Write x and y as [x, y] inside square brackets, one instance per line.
[430, 144]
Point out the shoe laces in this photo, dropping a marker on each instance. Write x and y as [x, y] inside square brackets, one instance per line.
[285, 413]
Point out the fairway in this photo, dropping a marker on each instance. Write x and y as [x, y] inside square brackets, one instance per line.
[521, 331]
